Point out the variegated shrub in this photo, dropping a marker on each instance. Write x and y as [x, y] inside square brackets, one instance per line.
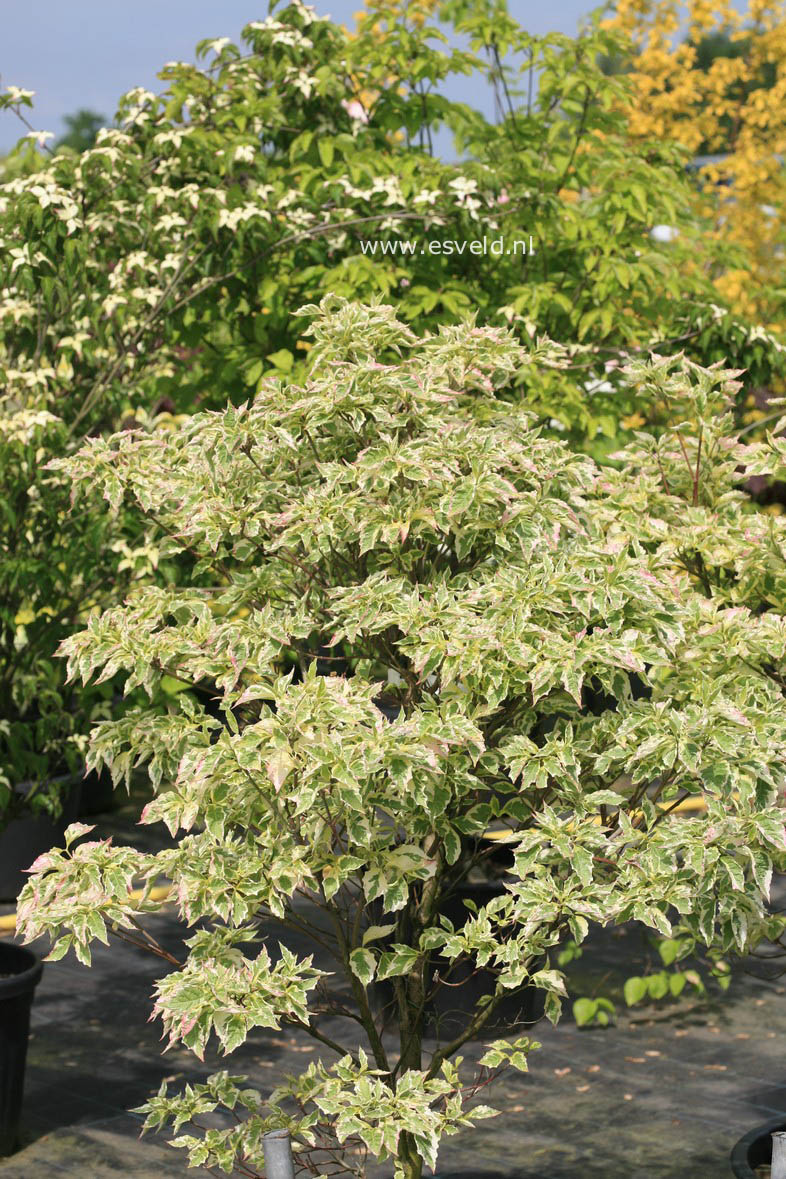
[158, 271]
[412, 617]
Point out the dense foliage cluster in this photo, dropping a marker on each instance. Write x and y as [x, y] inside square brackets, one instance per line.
[166, 262]
[387, 575]
[517, 638]
[158, 271]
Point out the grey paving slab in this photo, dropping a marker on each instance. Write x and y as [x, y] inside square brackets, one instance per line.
[102, 1150]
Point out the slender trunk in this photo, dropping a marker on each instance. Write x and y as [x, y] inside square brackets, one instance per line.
[411, 1002]
[409, 1158]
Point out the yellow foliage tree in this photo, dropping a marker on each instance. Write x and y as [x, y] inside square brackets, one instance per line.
[735, 109]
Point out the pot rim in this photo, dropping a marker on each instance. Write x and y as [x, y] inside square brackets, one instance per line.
[739, 1155]
[21, 981]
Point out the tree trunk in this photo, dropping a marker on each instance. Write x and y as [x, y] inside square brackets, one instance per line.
[409, 1158]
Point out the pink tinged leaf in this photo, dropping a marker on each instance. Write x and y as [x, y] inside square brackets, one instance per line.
[278, 767]
[734, 714]
[44, 861]
[75, 830]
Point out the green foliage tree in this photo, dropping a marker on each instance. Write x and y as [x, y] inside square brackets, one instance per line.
[81, 130]
[257, 181]
[53, 570]
[552, 664]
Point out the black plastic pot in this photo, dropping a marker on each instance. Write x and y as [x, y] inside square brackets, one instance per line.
[20, 973]
[29, 836]
[755, 1149]
[97, 794]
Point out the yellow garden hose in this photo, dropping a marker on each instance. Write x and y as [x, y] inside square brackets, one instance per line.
[694, 805]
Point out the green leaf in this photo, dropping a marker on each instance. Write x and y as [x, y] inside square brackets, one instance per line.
[584, 1011]
[400, 960]
[658, 985]
[326, 149]
[363, 965]
[677, 983]
[374, 932]
[282, 360]
[669, 949]
[634, 990]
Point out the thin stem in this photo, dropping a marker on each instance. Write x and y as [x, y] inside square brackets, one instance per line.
[698, 467]
[323, 1039]
[155, 946]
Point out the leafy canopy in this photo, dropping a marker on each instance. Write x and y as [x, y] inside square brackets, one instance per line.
[163, 266]
[158, 271]
[508, 647]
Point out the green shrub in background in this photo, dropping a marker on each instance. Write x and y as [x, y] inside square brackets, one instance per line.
[168, 260]
[551, 663]
[53, 567]
[82, 129]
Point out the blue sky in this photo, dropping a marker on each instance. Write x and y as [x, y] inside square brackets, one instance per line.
[86, 53]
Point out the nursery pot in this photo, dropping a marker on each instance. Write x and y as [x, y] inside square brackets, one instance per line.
[29, 836]
[755, 1149]
[97, 794]
[20, 972]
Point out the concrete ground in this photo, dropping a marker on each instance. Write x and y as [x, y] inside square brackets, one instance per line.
[663, 1094]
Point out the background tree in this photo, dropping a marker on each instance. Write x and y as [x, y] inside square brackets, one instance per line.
[721, 90]
[198, 228]
[82, 130]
